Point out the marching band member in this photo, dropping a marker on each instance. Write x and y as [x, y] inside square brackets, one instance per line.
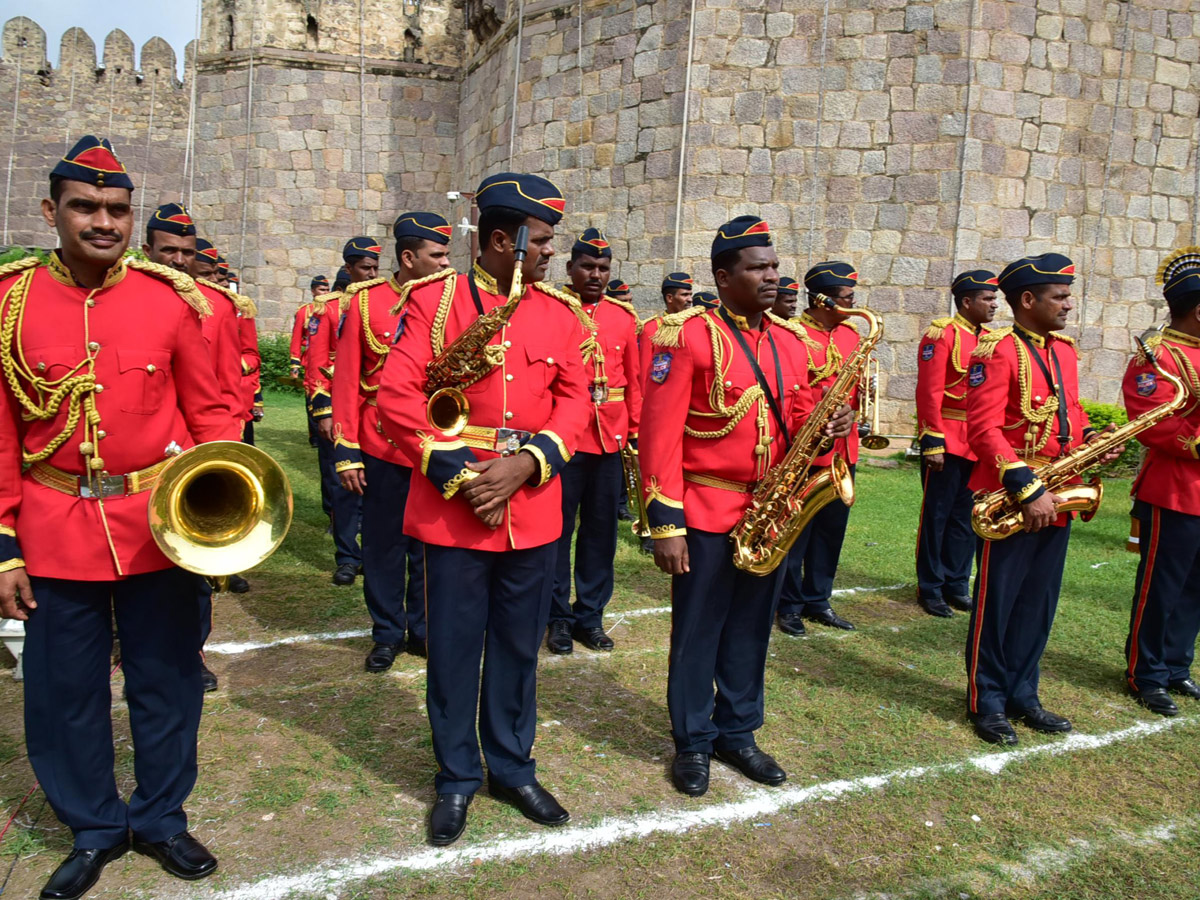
[486, 500]
[786, 298]
[361, 258]
[945, 543]
[75, 542]
[592, 481]
[813, 560]
[1023, 410]
[370, 465]
[676, 297]
[725, 390]
[1165, 617]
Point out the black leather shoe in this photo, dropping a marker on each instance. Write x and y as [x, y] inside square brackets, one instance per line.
[558, 638]
[1157, 701]
[448, 818]
[936, 606]
[593, 638]
[208, 679]
[995, 729]
[533, 800]
[754, 764]
[238, 584]
[689, 773]
[415, 646]
[79, 871]
[345, 575]
[791, 623]
[381, 657]
[181, 855]
[1042, 720]
[624, 514]
[830, 618]
[1187, 687]
[963, 603]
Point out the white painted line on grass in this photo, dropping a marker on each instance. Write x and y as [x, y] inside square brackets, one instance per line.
[757, 804]
[232, 648]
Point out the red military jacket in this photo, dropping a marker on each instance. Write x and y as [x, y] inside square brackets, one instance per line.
[322, 348]
[539, 389]
[222, 337]
[298, 349]
[251, 393]
[942, 364]
[141, 385]
[1012, 421]
[366, 337]
[614, 377]
[710, 434]
[1170, 475]
[828, 349]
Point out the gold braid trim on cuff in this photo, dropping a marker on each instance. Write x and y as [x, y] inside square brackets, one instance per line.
[934, 451]
[9, 564]
[658, 532]
[346, 465]
[10, 532]
[450, 488]
[1029, 490]
[654, 492]
[544, 473]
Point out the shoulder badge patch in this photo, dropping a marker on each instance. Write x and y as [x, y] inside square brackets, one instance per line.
[660, 367]
[314, 324]
[977, 376]
[927, 352]
[1146, 383]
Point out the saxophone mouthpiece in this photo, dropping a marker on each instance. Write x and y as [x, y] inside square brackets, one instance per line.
[521, 244]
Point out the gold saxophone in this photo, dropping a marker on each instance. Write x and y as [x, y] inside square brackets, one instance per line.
[470, 356]
[788, 497]
[997, 514]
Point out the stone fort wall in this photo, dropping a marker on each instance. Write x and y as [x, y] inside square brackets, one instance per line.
[914, 138]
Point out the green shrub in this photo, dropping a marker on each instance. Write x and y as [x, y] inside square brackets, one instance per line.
[275, 350]
[1100, 415]
[12, 254]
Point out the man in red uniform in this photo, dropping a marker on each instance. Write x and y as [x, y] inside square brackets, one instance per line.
[1023, 411]
[370, 465]
[726, 391]
[945, 542]
[361, 257]
[298, 351]
[677, 296]
[618, 290]
[251, 401]
[813, 560]
[75, 543]
[786, 298]
[592, 480]
[486, 502]
[1165, 618]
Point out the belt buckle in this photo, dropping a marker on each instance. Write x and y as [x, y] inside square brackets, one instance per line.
[97, 487]
[508, 441]
[599, 393]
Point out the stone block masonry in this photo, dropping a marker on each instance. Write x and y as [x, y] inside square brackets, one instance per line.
[913, 138]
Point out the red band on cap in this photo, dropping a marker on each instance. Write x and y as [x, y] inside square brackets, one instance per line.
[98, 158]
[558, 204]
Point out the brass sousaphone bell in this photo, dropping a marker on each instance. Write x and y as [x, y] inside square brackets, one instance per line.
[220, 508]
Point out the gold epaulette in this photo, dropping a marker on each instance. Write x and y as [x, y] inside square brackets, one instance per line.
[937, 327]
[183, 284]
[671, 327]
[410, 286]
[363, 286]
[988, 342]
[19, 265]
[1065, 339]
[795, 327]
[243, 304]
[572, 303]
[1154, 345]
[627, 306]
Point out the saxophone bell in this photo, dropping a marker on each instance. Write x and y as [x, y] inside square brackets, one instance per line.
[448, 410]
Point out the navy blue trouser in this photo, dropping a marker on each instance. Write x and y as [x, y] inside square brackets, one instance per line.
[494, 606]
[327, 483]
[68, 719]
[204, 595]
[813, 560]
[1165, 618]
[346, 508]
[388, 554]
[1016, 595]
[945, 541]
[248, 432]
[591, 486]
[721, 621]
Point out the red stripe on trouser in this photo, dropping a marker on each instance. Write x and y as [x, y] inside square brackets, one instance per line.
[980, 605]
[1147, 576]
[921, 519]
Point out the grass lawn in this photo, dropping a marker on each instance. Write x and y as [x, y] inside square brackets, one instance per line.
[309, 763]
